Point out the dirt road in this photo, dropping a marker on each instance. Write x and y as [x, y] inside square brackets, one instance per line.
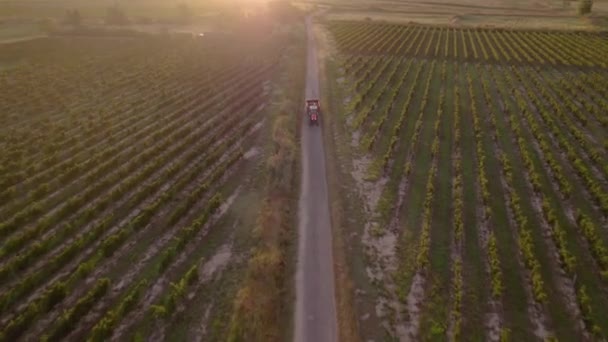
[315, 313]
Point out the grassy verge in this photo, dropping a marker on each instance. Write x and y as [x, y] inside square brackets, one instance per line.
[340, 214]
[260, 306]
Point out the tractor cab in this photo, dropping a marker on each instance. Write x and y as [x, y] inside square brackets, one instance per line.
[313, 109]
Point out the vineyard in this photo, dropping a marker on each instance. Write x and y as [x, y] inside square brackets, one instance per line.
[481, 155]
[122, 161]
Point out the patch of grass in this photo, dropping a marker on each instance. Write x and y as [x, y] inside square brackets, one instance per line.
[337, 146]
[260, 303]
[18, 31]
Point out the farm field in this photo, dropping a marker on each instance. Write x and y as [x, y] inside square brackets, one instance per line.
[542, 14]
[132, 174]
[479, 163]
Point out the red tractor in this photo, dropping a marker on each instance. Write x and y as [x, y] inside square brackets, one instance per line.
[313, 109]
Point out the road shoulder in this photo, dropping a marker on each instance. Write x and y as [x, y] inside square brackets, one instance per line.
[344, 288]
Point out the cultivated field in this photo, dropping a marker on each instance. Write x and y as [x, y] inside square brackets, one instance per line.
[471, 13]
[132, 173]
[480, 159]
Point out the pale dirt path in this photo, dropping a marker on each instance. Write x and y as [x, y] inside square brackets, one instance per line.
[22, 39]
[315, 312]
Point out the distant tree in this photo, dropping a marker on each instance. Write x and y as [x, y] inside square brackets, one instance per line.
[72, 18]
[584, 7]
[116, 16]
[47, 25]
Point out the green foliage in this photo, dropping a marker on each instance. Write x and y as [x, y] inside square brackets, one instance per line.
[257, 307]
[102, 331]
[457, 286]
[52, 296]
[158, 311]
[85, 181]
[458, 214]
[422, 258]
[495, 271]
[598, 247]
[403, 115]
[505, 335]
[584, 6]
[19, 324]
[67, 322]
[167, 257]
[559, 234]
[192, 276]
